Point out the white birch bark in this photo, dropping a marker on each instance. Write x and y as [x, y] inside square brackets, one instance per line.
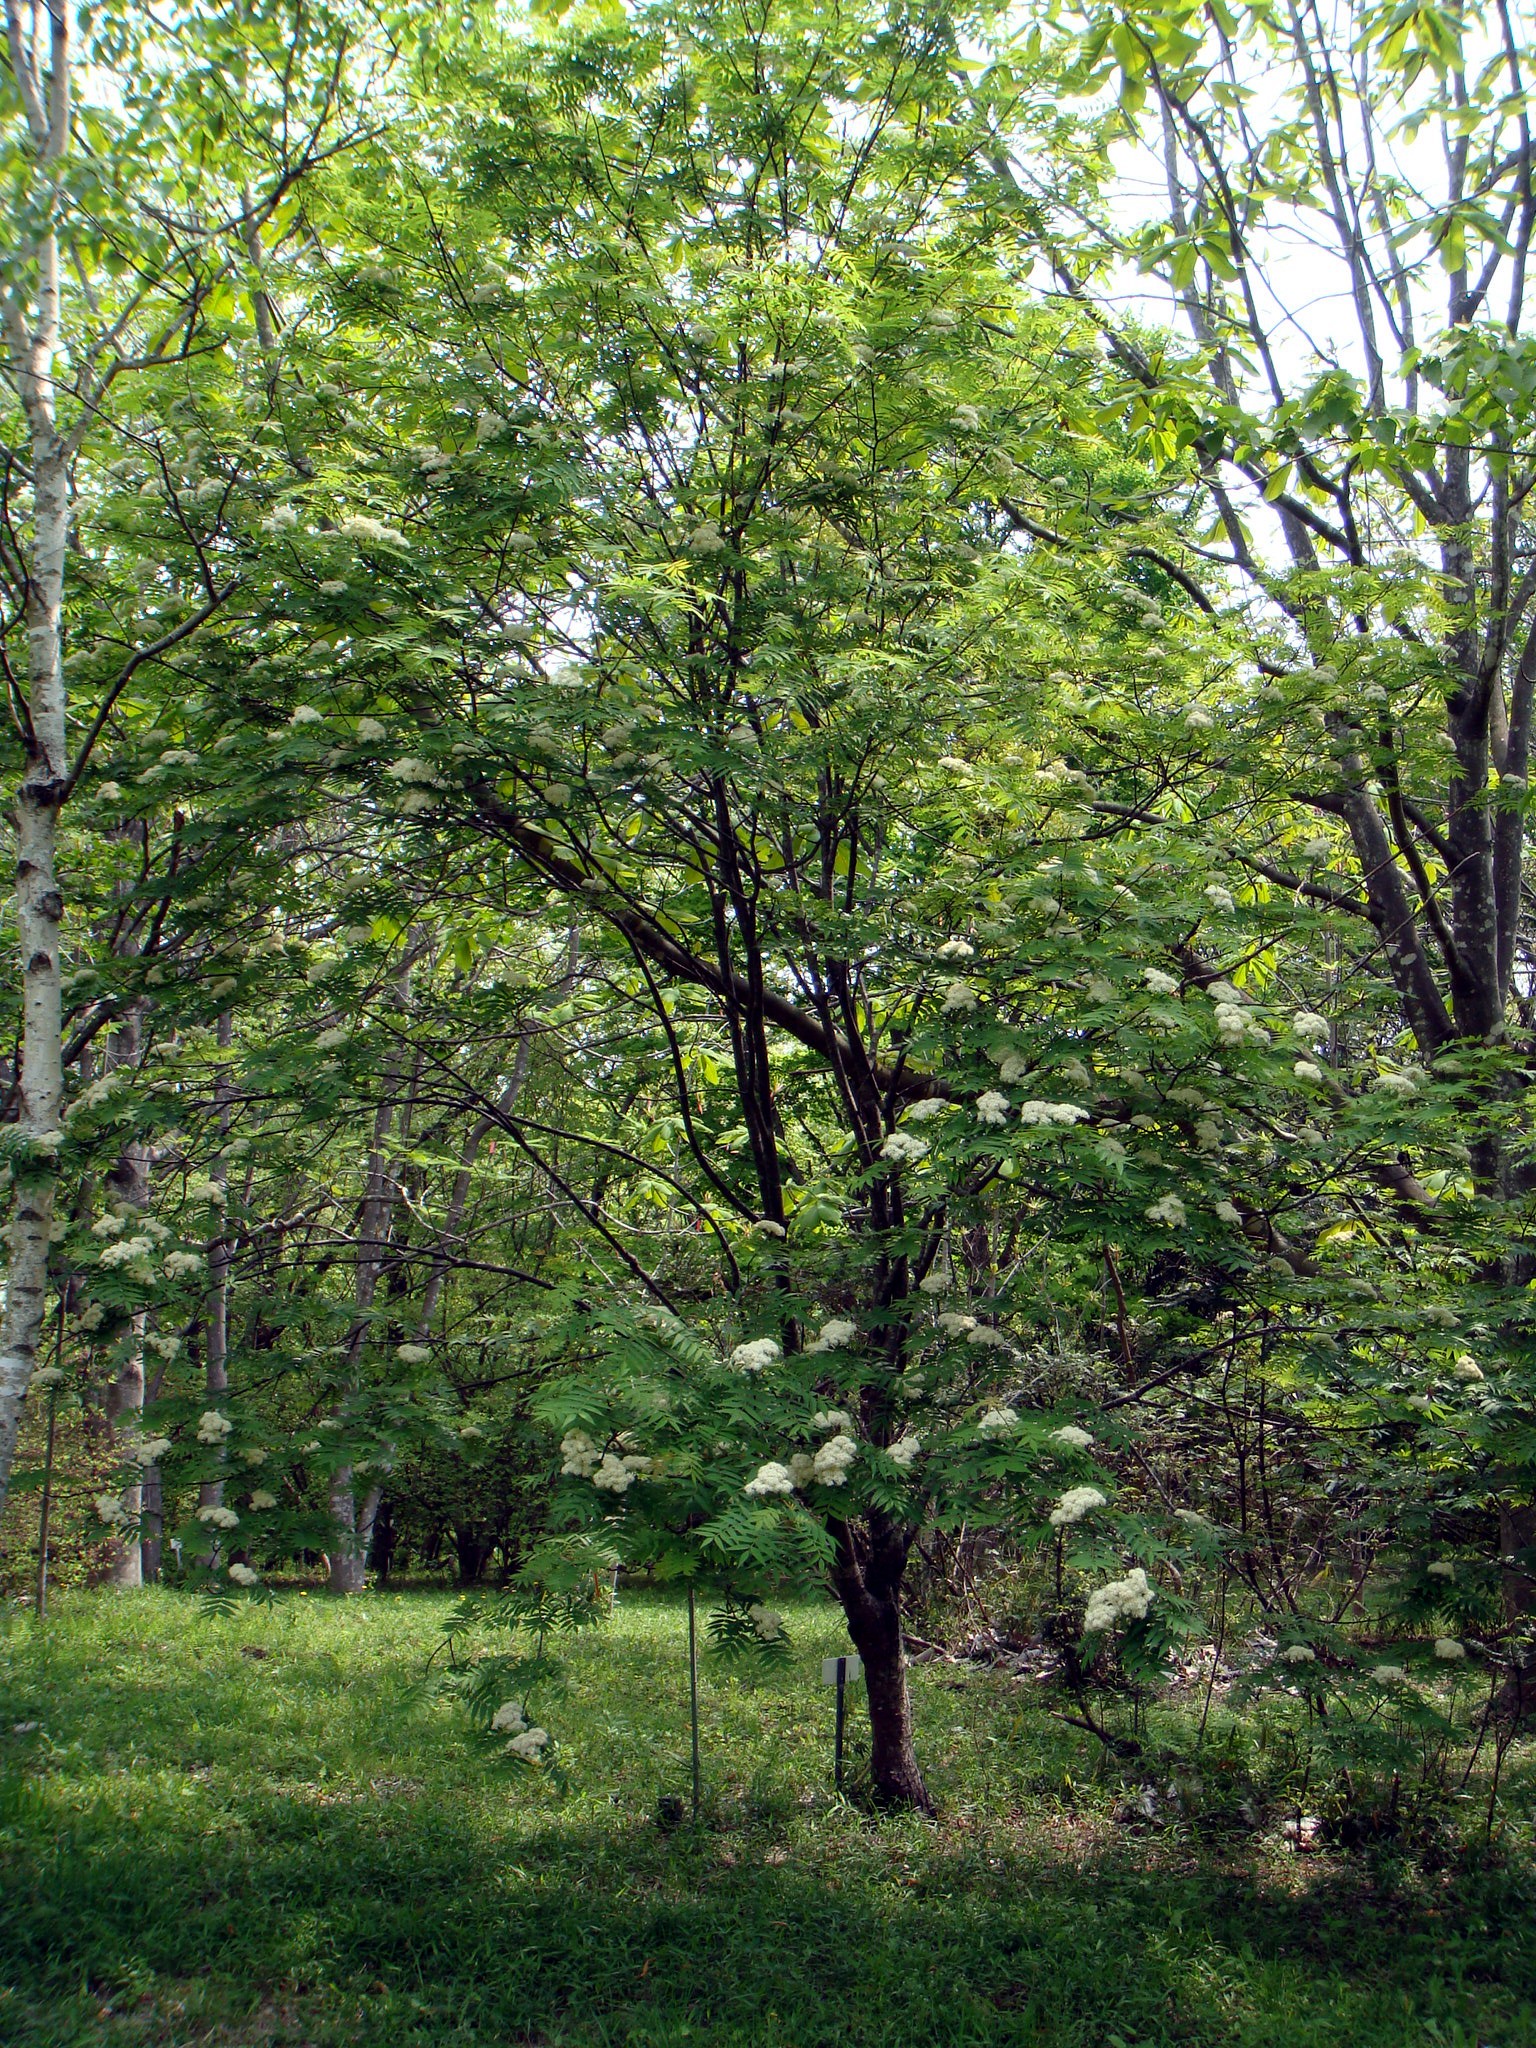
[31, 318]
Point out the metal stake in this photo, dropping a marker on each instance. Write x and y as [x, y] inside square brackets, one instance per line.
[693, 1696]
[837, 1768]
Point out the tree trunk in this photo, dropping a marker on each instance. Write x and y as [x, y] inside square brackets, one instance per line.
[867, 1580]
[347, 1563]
[1517, 1538]
[151, 1525]
[32, 343]
[893, 1766]
[129, 1184]
[210, 1493]
[383, 1542]
[473, 1549]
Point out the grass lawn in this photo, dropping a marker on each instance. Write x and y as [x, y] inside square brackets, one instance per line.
[202, 1844]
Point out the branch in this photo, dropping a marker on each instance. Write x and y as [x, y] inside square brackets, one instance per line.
[136, 661]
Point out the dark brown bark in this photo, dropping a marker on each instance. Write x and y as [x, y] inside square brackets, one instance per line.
[1517, 1534]
[871, 1563]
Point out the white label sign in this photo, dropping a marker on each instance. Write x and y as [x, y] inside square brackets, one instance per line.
[835, 1668]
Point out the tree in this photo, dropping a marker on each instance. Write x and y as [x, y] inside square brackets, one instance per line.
[123, 267]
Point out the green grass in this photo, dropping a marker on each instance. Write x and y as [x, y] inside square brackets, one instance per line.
[197, 1845]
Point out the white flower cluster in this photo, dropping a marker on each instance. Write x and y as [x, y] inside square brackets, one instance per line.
[1071, 1436]
[616, 1474]
[1219, 898]
[996, 1420]
[1449, 1650]
[835, 1335]
[830, 1464]
[262, 1498]
[1308, 1024]
[929, 1107]
[154, 1448]
[1389, 1674]
[958, 996]
[213, 1427]
[770, 1479]
[986, 1338]
[100, 1091]
[360, 527]
[1299, 1653]
[413, 1354]
[218, 1518]
[182, 1265]
[1159, 983]
[1121, 1600]
[955, 1325]
[1307, 1070]
[109, 1508]
[832, 1418]
[1013, 1067]
[905, 1449]
[509, 1718]
[1168, 1210]
[756, 1354]
[1442, 1568]
[1231, 1024]
[1052, 1113]
[579, 1453]
[956, 949]
[768, 1622]
[410, 768]
[992, 1109]
[1076, 1502]
[244, 1576]
[126, 1250]
[902, 1149]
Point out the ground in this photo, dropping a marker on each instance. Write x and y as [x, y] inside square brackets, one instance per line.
[269, 1827]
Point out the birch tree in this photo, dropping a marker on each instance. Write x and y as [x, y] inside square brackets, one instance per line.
[120, 266]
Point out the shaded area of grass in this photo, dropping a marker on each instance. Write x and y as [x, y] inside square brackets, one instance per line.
[200, 1845]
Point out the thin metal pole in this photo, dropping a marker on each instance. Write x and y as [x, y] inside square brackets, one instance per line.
[837, 1768]
[693, 1696]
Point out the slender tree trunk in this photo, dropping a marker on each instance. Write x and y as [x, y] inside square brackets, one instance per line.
[129, 1182]
[151, 1525]
[383, 1544]
[867, 1580]
[1517, 1534]
[32, 345]
[210, 1494]
[347, 1561]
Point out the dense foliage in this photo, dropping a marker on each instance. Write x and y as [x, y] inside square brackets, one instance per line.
[748, 879]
